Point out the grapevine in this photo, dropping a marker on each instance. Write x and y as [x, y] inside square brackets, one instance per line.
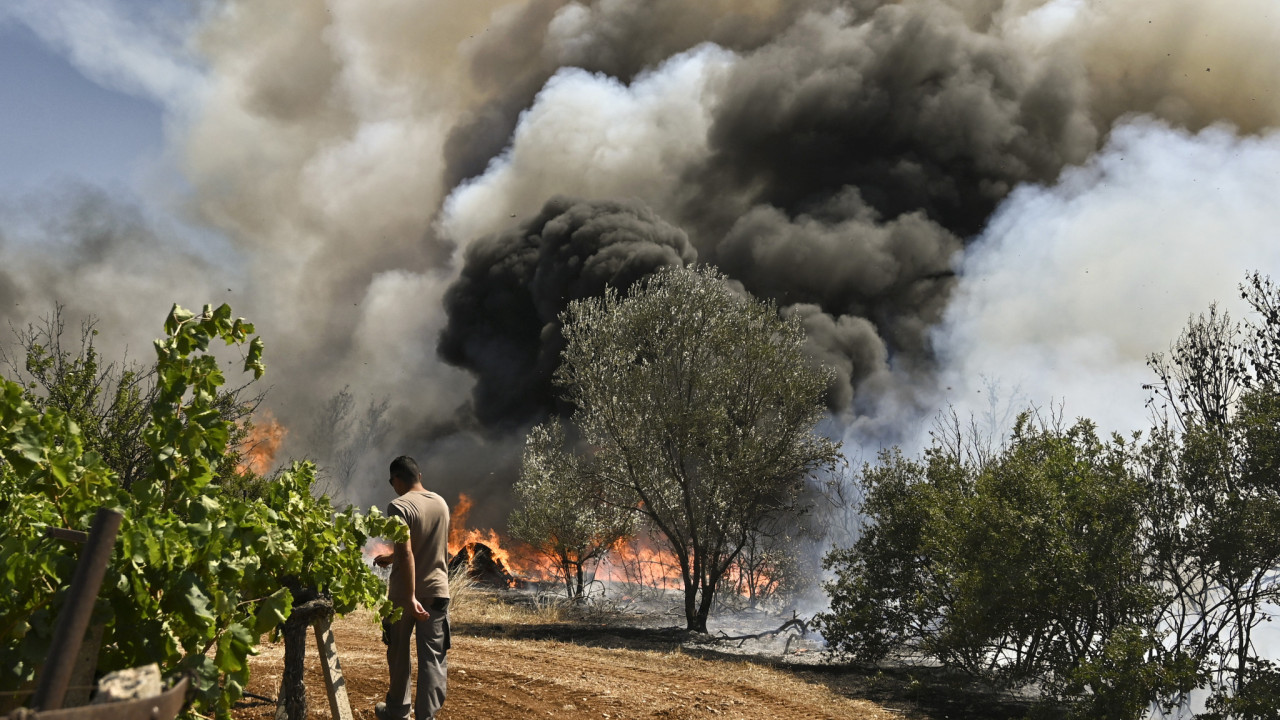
[198, 575]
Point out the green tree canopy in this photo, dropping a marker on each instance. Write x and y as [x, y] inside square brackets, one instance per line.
[700, 406]
[1111, 574]
[1025, 567]
[561, 508]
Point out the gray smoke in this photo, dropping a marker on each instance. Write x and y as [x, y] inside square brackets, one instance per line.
[908, 103]
[525, 44]
[98, 254]
[847, 261]
[361, 167]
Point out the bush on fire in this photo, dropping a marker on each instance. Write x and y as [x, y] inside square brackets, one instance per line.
[198, 574]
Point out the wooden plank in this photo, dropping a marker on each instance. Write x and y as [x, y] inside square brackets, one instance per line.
[334, 683]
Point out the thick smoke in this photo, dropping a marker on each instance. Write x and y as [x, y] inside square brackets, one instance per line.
[97, 254]
[907, 103]
[527, 43]
[838, 164]
[849, 345]
[504, 308]
[1075, 284]
[845, 260]
[364, 167]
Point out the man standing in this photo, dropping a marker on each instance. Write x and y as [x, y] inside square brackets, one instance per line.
[419, 583]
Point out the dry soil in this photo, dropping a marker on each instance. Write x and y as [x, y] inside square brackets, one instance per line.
[505, 677]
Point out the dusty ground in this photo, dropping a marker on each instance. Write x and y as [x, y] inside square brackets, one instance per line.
[516, 658]
[504, 677]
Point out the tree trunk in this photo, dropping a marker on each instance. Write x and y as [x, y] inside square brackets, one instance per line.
[691, 608]
[704, 606]
[568, 577]
[293, 692]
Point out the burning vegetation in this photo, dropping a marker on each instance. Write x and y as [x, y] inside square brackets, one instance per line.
[634, 564]
[258, 449]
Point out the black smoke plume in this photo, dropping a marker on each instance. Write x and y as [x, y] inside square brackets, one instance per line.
[852, 150]
[504, 308]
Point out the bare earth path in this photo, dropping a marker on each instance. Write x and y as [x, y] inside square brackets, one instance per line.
[519, 678]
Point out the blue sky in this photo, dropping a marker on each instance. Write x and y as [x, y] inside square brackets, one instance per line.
[58, 124]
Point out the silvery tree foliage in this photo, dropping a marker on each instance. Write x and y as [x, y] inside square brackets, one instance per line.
[700, 405]
[561, 509]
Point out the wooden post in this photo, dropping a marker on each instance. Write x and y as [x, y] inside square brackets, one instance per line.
[86, 666]
[74, 617]
[292, 704]
[339, 704]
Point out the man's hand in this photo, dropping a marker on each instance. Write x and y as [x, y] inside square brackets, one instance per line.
[418, 611]
[383, 560]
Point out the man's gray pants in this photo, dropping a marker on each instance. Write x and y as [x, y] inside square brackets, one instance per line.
[433, 665]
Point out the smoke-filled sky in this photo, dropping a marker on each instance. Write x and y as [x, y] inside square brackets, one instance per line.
[980, 203]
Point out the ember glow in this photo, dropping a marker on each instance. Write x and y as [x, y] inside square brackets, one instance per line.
[375, 547]
[258, 450]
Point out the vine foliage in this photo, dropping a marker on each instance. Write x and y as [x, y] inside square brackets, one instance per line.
[198, 574]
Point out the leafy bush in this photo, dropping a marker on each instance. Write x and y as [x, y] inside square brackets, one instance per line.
[1113, 575]
[1026, 568]
[198, 575]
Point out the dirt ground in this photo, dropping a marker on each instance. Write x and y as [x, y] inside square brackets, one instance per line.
[492, 676]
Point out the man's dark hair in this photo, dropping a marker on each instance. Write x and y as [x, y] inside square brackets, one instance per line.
[405, 469]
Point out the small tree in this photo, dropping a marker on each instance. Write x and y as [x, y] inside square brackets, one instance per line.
[342, 436]
[561, 509]
[700, 404]
[110, 401]
[1216, 495]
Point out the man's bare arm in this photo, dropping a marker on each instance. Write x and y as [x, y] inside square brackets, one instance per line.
[404, 563]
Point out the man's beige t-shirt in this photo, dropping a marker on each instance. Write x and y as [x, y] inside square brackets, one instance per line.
[427, 516]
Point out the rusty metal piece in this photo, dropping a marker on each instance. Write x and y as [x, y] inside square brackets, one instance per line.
[73, 620]
[164, 706]
[75, 536]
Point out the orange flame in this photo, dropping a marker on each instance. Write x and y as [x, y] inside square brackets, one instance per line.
[258, 450]
[636, 560]
[458, 523]
[519, 560]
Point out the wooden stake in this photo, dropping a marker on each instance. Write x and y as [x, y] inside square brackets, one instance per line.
[334, 683]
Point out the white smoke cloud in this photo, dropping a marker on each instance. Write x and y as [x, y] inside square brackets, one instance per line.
[1072, 286]
[590, 136]
[120, 47]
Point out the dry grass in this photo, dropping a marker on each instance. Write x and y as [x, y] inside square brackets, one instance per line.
[471, 604]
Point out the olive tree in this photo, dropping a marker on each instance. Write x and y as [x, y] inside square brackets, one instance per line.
[561, 510]
[700, 404]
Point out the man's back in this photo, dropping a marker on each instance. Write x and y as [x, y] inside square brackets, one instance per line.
[427, 516]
